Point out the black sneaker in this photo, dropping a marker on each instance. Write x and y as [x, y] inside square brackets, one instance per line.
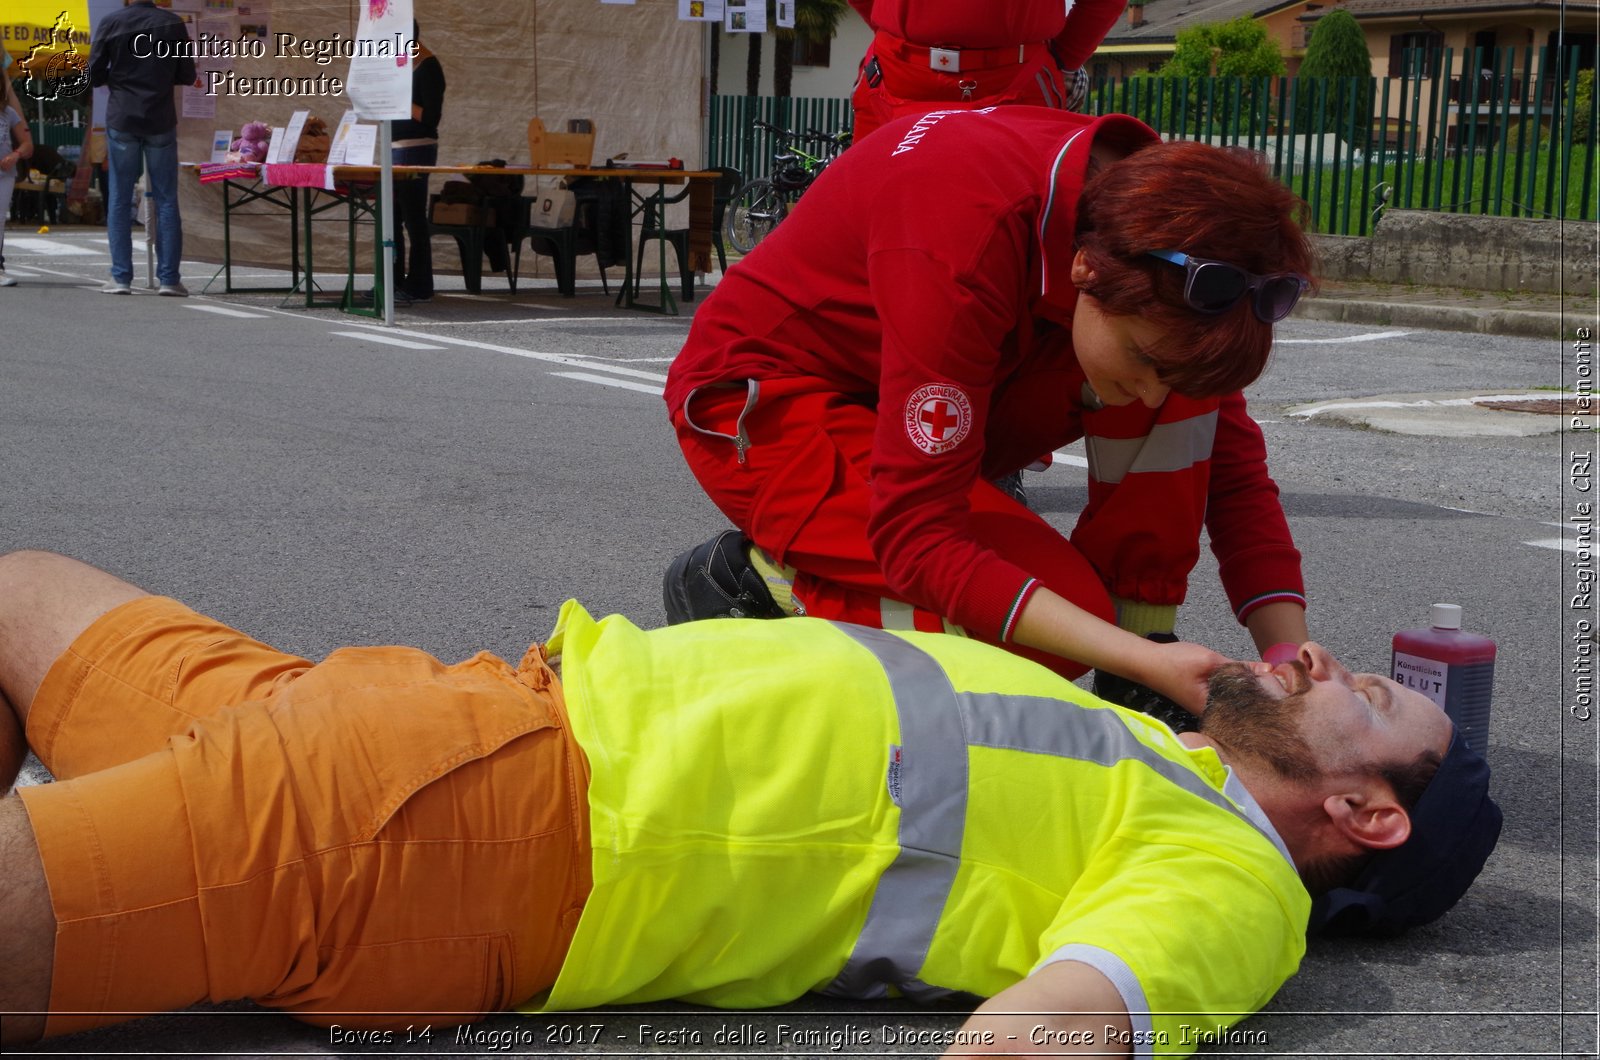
[716, 580]
[1134, 696]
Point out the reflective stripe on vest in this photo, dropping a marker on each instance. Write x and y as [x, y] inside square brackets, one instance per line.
[928, 780]
[1168, 447]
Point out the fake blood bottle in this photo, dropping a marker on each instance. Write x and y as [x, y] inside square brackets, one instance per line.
[1453, 668]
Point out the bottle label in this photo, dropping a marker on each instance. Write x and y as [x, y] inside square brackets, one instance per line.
[1428, 676]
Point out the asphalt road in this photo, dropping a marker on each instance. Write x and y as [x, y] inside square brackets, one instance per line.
[318, 481]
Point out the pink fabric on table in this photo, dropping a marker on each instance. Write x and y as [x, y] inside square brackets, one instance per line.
[299, 175]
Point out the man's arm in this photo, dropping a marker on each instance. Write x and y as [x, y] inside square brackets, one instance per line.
[99, 60]
[1066, 1007]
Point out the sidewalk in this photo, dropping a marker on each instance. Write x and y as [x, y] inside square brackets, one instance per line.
[1528, 315]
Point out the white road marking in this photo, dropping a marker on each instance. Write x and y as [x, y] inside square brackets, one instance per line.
[14, 271]
[1373, 337]
[48, 247]
[220, 311]
[605, 381]
[520, 321]
[386, 340]
[1070, 459]
[536, 355]
[55, 272]
[1560, 544]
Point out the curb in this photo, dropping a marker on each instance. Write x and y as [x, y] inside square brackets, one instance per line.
[1524, 323]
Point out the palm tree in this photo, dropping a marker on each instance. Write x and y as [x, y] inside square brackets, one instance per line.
[814, 20]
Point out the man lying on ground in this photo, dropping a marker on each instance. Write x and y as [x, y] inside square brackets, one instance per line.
[727, 813]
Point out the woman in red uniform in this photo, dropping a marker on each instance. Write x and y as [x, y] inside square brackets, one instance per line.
[954, 300]
[954, 54]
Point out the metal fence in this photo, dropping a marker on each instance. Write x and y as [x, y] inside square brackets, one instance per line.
[1514, 137]
[735, 141]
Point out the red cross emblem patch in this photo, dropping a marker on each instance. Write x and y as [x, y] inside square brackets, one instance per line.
[938, 418]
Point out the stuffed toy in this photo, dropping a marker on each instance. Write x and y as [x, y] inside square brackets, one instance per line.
[251, 146]
[314, 142]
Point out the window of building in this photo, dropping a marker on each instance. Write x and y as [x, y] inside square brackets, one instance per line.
[1414, 54]
[813, 52]
[1584, 42]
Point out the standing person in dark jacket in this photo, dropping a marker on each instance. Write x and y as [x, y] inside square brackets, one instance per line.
[416, 143]
[140, 53]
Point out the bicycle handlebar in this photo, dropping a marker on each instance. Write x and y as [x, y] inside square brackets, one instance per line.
[790, 134]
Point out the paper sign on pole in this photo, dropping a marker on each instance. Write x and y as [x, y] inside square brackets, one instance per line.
[786, 14]
[746, 16]
[700, 10]
[379, 79]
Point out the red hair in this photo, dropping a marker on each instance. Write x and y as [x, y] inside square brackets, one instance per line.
[1211, 202]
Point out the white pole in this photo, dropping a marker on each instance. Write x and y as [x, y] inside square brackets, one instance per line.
[386, 219]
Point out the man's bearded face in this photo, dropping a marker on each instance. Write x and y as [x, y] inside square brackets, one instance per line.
[1242, 718]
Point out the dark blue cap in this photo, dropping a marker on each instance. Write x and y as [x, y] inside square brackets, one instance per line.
[1454, 826]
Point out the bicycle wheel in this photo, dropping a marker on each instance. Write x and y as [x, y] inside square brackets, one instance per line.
[755, 210]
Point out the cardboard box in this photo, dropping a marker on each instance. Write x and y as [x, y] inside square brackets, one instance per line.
[461, 213]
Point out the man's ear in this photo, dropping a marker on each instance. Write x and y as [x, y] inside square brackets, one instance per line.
[1369, 818]
[1081, 273]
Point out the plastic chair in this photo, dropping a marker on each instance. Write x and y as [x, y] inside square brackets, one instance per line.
[469, 238]
[728, 182]
[563, 245]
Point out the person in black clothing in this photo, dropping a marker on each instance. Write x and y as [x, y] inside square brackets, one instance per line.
[135, 52]
[416, 143]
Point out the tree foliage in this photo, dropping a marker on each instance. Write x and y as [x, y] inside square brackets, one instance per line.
[1335, 81]
[1584, 110]
[1337, 48]
[1237, 48]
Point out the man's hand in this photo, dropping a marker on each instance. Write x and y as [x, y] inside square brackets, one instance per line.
[1063, 1008]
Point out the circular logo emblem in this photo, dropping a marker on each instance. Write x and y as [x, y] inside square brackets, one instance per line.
[938, 418]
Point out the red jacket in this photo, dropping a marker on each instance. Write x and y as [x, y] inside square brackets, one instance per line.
[936, 255]
[1073, 37]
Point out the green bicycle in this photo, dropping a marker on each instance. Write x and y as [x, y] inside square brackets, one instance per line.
[758, 207]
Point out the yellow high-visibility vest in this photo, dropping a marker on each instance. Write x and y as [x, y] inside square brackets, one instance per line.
[799, 805]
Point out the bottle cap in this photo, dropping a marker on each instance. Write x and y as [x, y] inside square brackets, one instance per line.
[1446, 616]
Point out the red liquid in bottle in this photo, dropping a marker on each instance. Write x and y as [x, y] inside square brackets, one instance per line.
[1453, 668]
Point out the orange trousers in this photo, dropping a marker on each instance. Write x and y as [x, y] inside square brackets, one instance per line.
[375, 840]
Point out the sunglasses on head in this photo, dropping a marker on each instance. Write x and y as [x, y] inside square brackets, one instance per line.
[1216, 287]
